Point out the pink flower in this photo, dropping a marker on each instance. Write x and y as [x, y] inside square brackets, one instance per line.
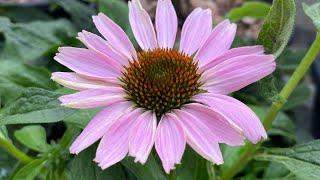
[162, 96]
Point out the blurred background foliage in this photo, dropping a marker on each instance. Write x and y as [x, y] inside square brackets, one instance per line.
[32, 120]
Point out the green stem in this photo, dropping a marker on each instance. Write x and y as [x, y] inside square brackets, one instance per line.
[14, 151]
[287, 90]
[172, 175]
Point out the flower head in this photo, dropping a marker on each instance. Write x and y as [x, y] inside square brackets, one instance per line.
[162, 96]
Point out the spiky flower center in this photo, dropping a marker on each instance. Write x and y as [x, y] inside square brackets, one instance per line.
[161, 80]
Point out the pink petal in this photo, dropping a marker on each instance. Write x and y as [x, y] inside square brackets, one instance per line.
[247, 50]
[170, 142]
[236, 73]
[223, 129]
[77, 82]
[166, 24]
[88, 63]
[114, 145]
[142, 135]
[219, 41]
[98, 126]
[99, 45]
[199, 137]
[115, 35]
[93, 98]
[142, 26]
[238, 112]
[195, 30]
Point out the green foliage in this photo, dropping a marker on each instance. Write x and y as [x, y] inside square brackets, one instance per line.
[299, 97]
[313, 11]
[278, 26]
[3, 132]
[302, 160]
[258, 10]
[34, 105]
[30, 171]
[29, 41]
[23, 14]
[34, 137]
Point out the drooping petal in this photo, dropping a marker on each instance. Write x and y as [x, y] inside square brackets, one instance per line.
[114, 145]
[93, 98]
[199, 137]
[223, 129]
[142, 26]
[238, 112]
[98, 126]
[96, 43]
[142, 135]
[235, 52]
[170, 142]
[219, 41]
[88, 63]
[77, 82]
[238, 72]
[166, 24]
[115, 35]
[195, 30]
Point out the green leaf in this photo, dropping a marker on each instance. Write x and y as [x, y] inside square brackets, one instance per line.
[118, 11]
[30, 171]
[29, 41]
[300, 96]
[193, 166]
[34, 105]
[82, 167]
[82, 117]
[313, 11]
[150, 170]
[258, 10]
[23, 14]
[34, 137]
[3, 132]
[278, 26]
[80, 13]
[302, 160]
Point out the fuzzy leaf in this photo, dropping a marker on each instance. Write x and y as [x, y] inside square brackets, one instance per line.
[34, 137]
[302, 160]
[313, 11]
[258, 10]
[278, 26]
[34, 105]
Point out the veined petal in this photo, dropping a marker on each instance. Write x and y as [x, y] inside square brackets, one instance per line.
[238, 112]
[236, 73]
[223, 129]
[115, 35]
[195, 30]
[142, 26]
[98, 126]
[88, 63]
[170, 142]
[99, 45]
[142, 135]
[219, 41]
[93, 98]
[166, 24]
[114, 145]
[199, 137]
[235, 52]
[78, 82]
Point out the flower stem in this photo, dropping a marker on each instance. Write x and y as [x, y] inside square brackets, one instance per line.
[287, 90]
[14, 151]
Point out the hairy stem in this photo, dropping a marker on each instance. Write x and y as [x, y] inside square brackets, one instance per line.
[287, 90]
[14, 151]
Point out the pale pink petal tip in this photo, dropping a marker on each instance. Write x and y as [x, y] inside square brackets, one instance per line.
[142, 135]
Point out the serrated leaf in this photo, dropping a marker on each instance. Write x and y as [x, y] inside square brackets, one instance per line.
[34, 105]
[302, 160]
[313, 11]
[82, 167]
[258, 10]
[30, 171]
[34, 137]
[278, 26]
[29, 41]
